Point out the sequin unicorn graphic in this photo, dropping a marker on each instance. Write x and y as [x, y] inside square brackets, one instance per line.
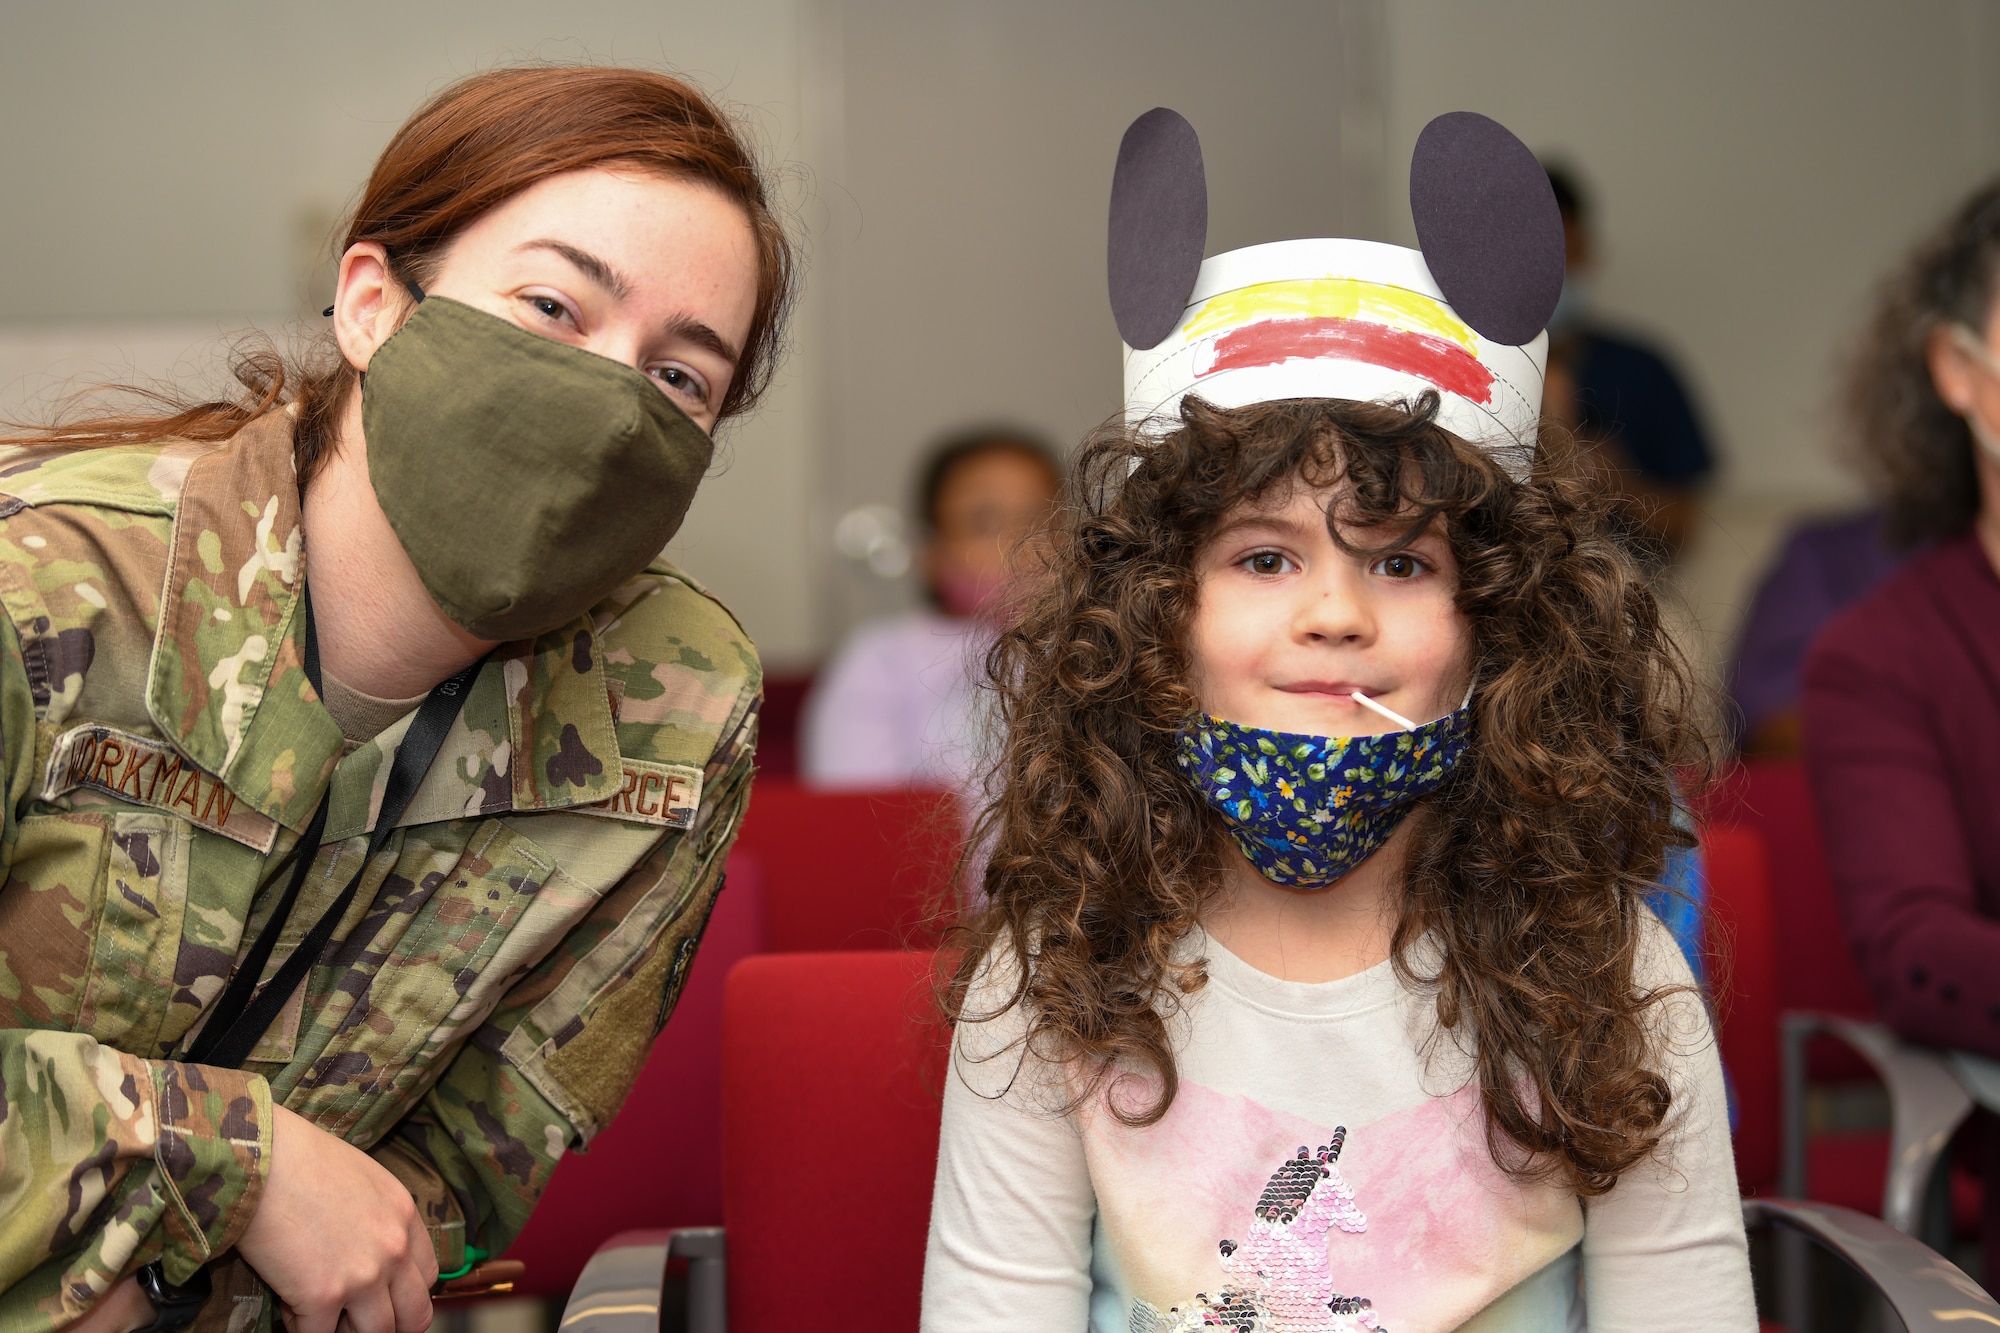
[1282, 1269]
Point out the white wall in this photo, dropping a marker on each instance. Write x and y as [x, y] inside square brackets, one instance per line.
[963, 263]
[173, 172]
[1757, 168]
[186, 159]
[949, 164]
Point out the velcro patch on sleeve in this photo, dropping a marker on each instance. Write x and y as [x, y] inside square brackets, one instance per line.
[150, 772]
[663, 794]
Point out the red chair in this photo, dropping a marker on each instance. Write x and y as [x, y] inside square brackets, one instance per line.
[833, 1075]
[659, 1164]
[1743, 978]
[1816, 992]
[833, 1070]
[851, 870]
[778, 726]
[1810, 971]
[810, 870]
[1815, 966]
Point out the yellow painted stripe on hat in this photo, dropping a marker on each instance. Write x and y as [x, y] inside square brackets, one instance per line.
[1331, 298]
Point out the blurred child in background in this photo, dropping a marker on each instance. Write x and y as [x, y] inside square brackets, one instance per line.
[896, 706]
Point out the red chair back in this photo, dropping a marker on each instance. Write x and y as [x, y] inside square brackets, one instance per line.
[832, 1073]
[851, 870]
[1815, 965]
[659, 1164]
[778, 726]
[1744, 980]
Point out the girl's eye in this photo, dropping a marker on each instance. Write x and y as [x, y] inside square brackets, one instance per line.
[1402, 566]
[681, 380]
[1266, 562]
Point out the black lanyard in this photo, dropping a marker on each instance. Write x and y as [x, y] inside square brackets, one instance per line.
[243, 1013]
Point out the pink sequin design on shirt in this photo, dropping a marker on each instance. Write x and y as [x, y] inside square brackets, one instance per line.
[1284, 1280]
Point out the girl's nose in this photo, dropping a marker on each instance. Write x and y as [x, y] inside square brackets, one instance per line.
[1332, 610]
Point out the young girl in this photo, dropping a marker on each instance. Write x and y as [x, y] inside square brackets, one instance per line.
[1316, 989]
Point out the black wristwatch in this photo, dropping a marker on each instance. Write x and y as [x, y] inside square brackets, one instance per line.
[173, 1307]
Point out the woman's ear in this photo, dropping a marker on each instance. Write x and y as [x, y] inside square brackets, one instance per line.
[1951, 370]
[368, 303]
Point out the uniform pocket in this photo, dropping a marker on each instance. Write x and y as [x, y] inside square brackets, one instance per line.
[90, 924]
[144, 899]
[424, 968]
[48, 917]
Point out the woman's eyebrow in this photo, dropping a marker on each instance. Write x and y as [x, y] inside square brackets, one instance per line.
[597, 270]
[701, 335]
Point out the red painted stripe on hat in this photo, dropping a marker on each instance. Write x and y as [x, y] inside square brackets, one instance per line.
[1271, 341]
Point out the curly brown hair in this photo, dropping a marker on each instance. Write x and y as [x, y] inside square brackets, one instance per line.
[1913, 450]
[1529, 869]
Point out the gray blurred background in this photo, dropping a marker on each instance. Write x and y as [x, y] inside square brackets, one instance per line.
[174, 172]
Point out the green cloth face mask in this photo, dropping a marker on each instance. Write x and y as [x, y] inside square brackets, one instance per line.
[525, 478]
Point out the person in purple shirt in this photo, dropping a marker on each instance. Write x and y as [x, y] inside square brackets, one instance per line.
[897, 707]
[1824, 566]
[1902, 691]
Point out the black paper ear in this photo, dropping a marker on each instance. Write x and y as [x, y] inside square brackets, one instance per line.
[1488, 224]
[1159, 226]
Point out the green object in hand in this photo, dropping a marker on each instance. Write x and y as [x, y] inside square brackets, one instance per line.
[474, 1256]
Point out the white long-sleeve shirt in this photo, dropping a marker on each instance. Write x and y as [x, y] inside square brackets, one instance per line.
[1060, 1222]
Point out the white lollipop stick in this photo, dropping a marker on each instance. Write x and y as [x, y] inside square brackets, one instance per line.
[1383, 709]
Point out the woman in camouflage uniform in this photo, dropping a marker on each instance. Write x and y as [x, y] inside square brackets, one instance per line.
[558, 280]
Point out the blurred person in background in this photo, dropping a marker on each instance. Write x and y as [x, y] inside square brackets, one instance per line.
[897, 707]
[1824, 565]
[380, 657]
[1902, 690]
[1624, 397]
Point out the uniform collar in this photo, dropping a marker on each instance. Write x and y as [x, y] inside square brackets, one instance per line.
[227, 680]
[536, 733]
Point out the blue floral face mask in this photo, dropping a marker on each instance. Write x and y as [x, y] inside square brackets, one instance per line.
[1308, 809]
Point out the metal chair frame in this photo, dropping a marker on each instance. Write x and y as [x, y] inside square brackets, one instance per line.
[1925, 1290]
[1928, 1100]
[623, 1287]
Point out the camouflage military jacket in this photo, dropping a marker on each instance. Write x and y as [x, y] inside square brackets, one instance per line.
[491, 994]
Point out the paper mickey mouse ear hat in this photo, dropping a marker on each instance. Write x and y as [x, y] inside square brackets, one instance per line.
[1343, 318]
